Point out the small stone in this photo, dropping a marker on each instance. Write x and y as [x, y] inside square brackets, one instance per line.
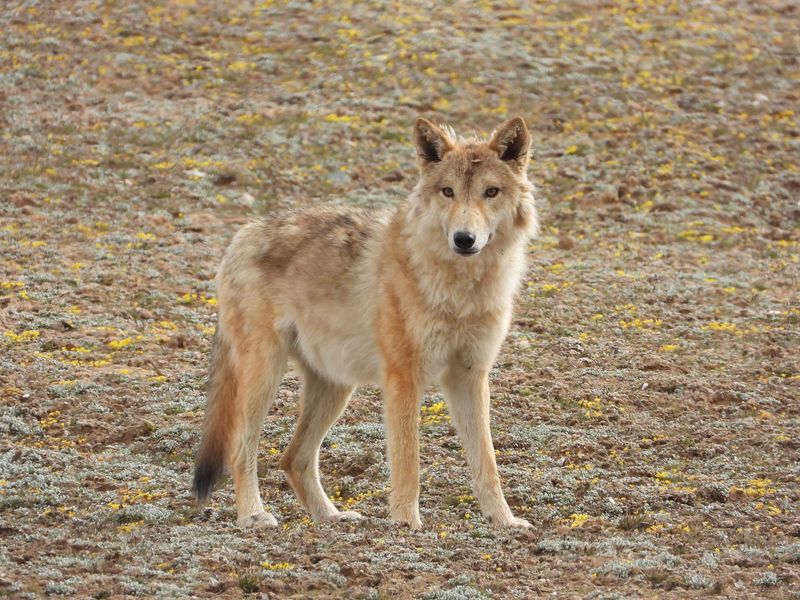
[565, 243]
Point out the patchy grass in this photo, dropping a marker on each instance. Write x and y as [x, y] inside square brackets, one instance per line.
[645, 404]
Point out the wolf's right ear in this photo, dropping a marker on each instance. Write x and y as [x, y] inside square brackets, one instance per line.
[431, 142]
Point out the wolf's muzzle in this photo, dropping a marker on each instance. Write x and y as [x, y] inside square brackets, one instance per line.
[464, 242]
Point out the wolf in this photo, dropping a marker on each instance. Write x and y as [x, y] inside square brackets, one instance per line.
[402, 299]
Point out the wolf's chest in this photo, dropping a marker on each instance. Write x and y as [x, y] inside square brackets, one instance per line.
[472, 341]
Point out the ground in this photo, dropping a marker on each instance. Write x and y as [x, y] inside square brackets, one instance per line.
[645, 404]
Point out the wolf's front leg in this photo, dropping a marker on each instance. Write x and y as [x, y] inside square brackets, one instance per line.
[402, 397]
[467, 394]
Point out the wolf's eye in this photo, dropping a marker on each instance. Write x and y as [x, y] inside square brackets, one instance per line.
[491, 192]
[448, 192]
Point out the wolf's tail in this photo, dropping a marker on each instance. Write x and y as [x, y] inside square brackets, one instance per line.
[219, 421]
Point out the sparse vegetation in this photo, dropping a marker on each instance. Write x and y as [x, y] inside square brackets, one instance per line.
[249, 581]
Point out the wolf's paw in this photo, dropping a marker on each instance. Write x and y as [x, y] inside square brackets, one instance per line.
[259, 520]
[345, 515]
[512, 522]
[349, 515]
[410, 518]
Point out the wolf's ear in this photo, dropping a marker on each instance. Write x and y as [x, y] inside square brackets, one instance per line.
[512, 142]
[432, 142]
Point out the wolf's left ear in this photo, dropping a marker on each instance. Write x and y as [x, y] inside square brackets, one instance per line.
[431, 142]
[512, 142]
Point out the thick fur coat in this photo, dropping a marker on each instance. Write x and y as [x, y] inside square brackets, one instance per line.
[398, 299]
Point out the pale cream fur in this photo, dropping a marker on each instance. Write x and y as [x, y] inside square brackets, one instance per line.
[360, 297]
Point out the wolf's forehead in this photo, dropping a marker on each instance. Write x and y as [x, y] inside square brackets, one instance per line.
[473, 160]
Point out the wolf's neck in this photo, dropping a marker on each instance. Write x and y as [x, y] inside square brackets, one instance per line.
[461, 287]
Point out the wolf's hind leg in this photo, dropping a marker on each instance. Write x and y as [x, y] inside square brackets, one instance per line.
[321, 403]
[261, 363]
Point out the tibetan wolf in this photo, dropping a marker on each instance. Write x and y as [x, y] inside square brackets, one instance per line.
[399, 299]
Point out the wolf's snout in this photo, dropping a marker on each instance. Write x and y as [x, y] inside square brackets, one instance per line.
[464, 241]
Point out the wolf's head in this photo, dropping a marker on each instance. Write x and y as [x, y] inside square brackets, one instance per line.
[478, 191]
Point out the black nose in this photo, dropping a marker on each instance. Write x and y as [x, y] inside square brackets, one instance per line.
[463, 240]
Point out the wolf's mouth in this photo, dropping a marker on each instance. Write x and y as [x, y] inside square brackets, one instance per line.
[469, 252]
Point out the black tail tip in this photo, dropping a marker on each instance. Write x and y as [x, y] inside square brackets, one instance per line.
[205, 476]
